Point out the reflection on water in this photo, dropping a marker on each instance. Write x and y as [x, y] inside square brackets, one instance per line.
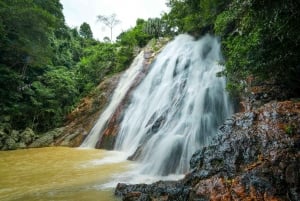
[58, 174]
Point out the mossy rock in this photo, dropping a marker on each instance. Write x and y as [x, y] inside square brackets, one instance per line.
[47, 139]
[10, 144]
[14, 134]
[27, 136]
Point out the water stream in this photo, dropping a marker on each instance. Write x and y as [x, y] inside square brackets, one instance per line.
[177, 108]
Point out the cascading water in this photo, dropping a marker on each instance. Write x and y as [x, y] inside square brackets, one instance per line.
[177, 108]
[124, 84]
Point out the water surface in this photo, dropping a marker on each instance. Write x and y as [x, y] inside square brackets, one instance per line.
[58, 174]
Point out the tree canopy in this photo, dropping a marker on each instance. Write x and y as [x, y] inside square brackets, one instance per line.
[85, 31]
[46, 67]
[259, 38]
[110, 21]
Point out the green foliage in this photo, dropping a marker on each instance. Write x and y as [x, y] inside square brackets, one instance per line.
[66, 46]
[135, 36]
[193, 16]
[54, 7]
[85, 31]
[225, 22]
[175, 18]
[52, 97]
[210, 9]
[260, 38]
[11, 83]
[290, 129]
[154, 27]
[35, 91]
[26, 29]
[124, 57]
[96, 63]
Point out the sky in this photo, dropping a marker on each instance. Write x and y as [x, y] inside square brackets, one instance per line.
[128, 11]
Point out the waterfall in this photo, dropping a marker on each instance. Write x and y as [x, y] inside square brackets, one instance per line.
[177, 108]
[124, 84]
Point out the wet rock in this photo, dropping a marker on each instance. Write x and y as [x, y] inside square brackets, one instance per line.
[10, 144]
[149, 54]
[255, 156]
[156, 191]
[292, 174]
[47, 139]
[13, 139]
[27, 136]
[136, 154]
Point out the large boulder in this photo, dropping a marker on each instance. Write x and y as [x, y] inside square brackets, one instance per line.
[28, 136]
[11, 139]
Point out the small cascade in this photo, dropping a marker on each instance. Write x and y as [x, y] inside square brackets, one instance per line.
[124, 84]
[176, 109]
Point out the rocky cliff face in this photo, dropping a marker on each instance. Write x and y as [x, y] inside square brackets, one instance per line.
[256, 156]
[83, 118]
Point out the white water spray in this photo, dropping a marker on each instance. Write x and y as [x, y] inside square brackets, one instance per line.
[124, 84]
[177, 107]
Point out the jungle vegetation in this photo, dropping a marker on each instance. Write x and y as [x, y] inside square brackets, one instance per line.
[46, 67]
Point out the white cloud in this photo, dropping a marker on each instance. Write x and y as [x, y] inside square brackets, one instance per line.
[128, 11]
